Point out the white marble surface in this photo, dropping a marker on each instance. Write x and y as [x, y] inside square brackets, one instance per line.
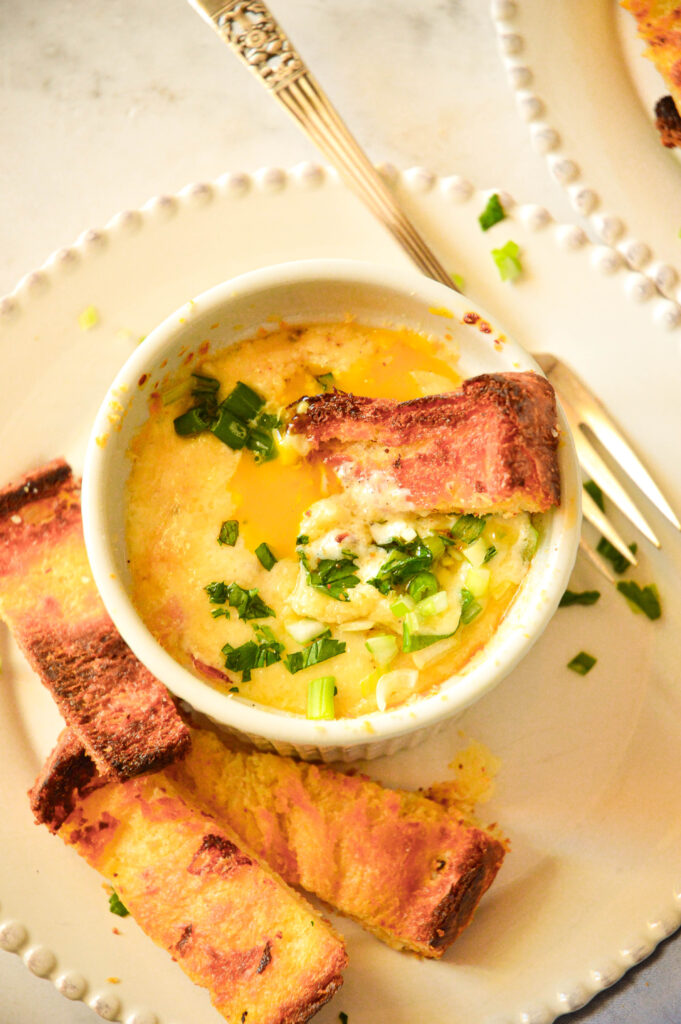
[105, 104]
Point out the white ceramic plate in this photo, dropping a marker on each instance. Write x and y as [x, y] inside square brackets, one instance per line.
[588, 790]
[587, 94]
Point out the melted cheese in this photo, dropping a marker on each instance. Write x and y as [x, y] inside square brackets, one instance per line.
[181, 490]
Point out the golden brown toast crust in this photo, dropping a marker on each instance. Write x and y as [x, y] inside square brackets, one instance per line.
[402, 865]
[490, 446]
[262, 952]
[125, 717]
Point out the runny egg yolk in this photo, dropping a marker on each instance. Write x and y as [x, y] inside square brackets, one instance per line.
[270, 497]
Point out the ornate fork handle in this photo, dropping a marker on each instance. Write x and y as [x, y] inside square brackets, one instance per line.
[250, 30]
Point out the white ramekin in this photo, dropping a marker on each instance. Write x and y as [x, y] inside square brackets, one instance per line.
[305, 292]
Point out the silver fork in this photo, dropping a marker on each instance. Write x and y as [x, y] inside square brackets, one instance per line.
[250, 30]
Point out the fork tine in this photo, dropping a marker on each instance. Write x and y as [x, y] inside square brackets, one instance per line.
[596, 560]
[591, 511]
[593, 414]
[595, 467]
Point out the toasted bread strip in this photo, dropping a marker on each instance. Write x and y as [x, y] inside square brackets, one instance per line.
[403, 866]
[490, 446]
[263, 953]
[125, 718]
[67, 770]
[659, 26]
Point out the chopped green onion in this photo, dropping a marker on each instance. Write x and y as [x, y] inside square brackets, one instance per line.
[260, 439]
[243, 402]
[475, 552]
[205, 387]
[435, 604]
[582, 663]
[402, 606]
[507, 261]
[470, 608]
[477, 581]
[229, 532]
[116, 906]
[619, 563]
[322, 649]
[492, 214]
[592, 488]
[265, 556]
[192, 422]
[412, 641]
[489, 554]
[229, 429]
[305, 630]
[458, 281]
[326, 380]
[423, 585]
[645, 599]
[176, 391]
[531, 543]
[435, 545]
[468, 528]
[302, 538]
[585, 597]
[383, 648]
[89, 318]
[320, 694]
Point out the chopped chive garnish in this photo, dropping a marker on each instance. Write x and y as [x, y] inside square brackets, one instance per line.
[116, 906]
[193, 421]
[334, 577]
[229, 429]
[592, 488]
[321, 649]
[507, 261]
[489, 554]
[619, 563]
[468, 528]
[265, 556]
[585, 597]
[260, 439]
[229, 532]
[423, 585]
[326, 381]
[582, 663]
[492, 214]
[470, 608]
[645, 599]
[176, 391]
[320, 694]
[243, 402]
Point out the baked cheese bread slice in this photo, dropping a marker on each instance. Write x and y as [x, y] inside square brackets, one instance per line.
[262, 952]
[659, 25]
[407, 868]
